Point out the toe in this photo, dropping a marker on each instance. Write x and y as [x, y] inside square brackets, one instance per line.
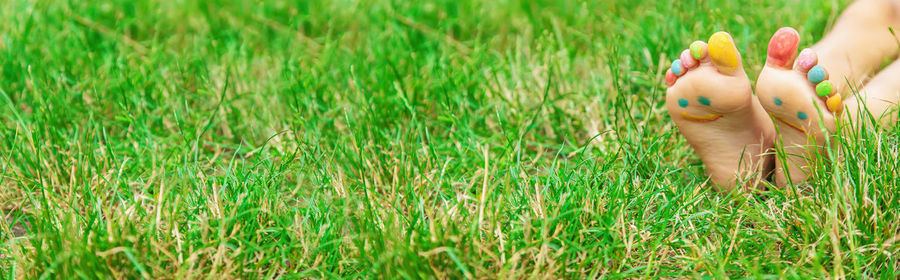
[723, 53]
[688, 60]
[783, 48]
[817, 74]
[698, 50]
[824, 89]
[806, 60]
[835, 104]
[670, 78]
[677, 68]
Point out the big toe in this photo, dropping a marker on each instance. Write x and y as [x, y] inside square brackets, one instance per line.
[783, 48]
[723, 53]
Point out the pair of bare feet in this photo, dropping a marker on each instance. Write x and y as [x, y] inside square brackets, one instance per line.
[744, 139]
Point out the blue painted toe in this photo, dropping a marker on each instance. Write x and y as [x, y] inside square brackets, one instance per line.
[676, 67]
[816, 74]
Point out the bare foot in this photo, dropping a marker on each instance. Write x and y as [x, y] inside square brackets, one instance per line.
[801, 105]
[801, 100]
[710, 100]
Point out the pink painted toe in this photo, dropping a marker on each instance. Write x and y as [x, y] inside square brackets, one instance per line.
[688, 60]
[783, 47]
[807, 59]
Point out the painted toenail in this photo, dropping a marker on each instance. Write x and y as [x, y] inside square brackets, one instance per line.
[816, 74]
[778, 101]
[723, 52]
[676, 67]
[801, 115]
[807, 59]
[687, 61]
[682, 102]
[824, 89]
[834, 103]
[783, 46]
[703, 100]
[698, 49]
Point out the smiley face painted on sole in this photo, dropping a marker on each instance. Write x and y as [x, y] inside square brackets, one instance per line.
[792, 122]
[701, 101]
[706, 81]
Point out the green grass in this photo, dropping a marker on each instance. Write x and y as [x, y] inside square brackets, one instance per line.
[396, 139]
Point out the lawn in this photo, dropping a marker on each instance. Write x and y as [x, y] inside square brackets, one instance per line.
[402, 140]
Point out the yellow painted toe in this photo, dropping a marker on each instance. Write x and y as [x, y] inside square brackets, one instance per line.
[723, 52]
[834, 103]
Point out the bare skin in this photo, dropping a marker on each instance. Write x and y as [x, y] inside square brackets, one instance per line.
[855, 48]
[711, 102]
[800, 97]
[880, 97]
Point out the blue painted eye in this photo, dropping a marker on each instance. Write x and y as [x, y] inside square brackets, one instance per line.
[703, 100]
[778, 101]
[801, 115]
[682, 102]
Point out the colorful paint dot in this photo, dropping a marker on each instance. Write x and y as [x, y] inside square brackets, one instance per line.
[824, 89]
[687, 61]
[816, 74]
[778, 101]
[703, 100]
[834, 103]
[783, 47]
[698, 49]
[723, 52]
[676, 67]
[807, 59]
[801, 115]
[682, 102]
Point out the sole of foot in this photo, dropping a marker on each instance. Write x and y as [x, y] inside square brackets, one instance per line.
[710, 100]
[796, 93]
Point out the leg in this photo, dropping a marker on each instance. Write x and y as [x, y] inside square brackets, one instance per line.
[860, 42]
[880, 97]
